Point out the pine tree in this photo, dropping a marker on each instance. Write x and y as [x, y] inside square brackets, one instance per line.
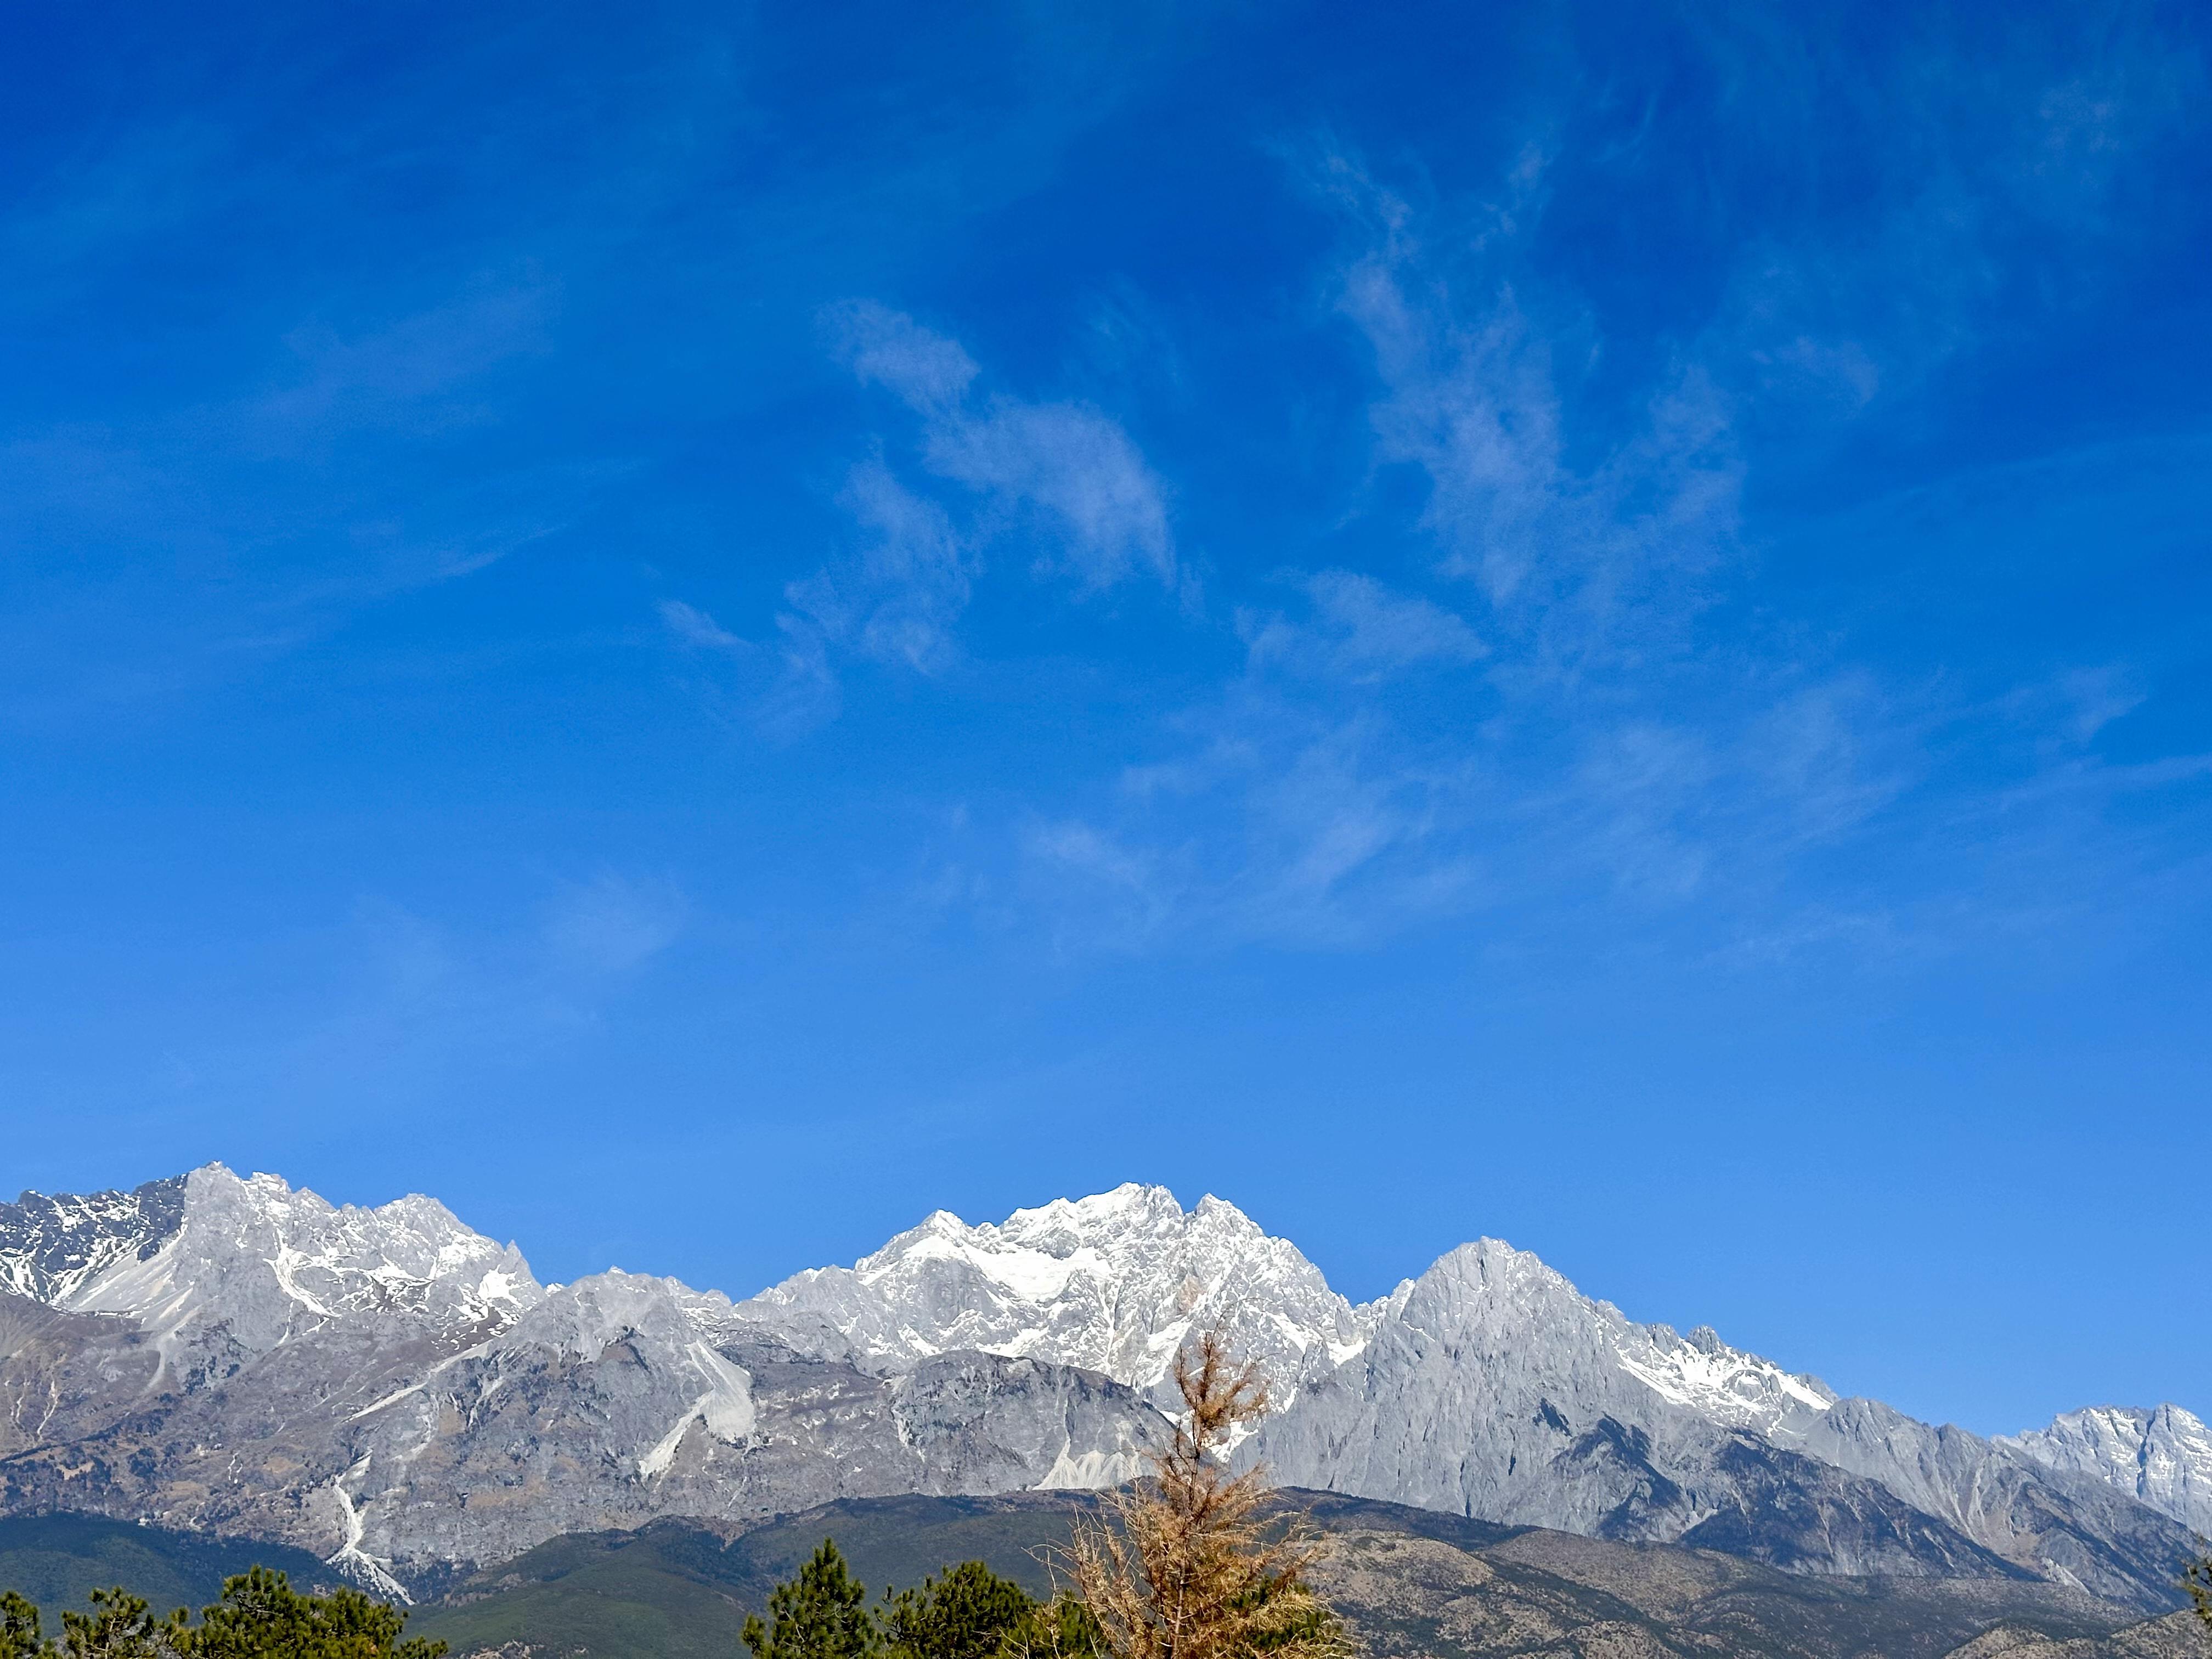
[970, 1613]
[1187, 1566]
[261, 1616]
[2197, 1579]
[1064, 1628]
[22, 1633]
[121, 1626]
[820, 1614]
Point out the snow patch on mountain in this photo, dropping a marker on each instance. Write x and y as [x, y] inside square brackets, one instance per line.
[1094, 1469]
[726, 1409]
[371, 1571]
[1723, 1384]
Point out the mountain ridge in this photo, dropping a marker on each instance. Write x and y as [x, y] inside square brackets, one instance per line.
[400, 1393]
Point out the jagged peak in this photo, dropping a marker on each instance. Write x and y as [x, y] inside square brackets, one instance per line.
[618, 1282]
[1130, 1199]
[1060, 1229]
[277, 1193]
[586, 1314]
[2161, 1455]
[1490, 1343]
[52, 1247]
[1486, 1259]
[1116, 1281]
[1222, 1212]
[1513, 1294]
[272, 1256]
[33, 1196]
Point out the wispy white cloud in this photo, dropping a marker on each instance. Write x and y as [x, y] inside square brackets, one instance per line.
[1358, 629]
[787, 686]
[1300, 804]
[396, 1003]
[1062, 479]
[1986, 142]
[881, 346]
[1078, 468]
[614, 924]
[1104, 509]
[148, 180]
[899, 600]
[1287, 826]
[163, 549]
[1384, 761]
[895, 598]
[695, 626]
[1568, 691]
[1583, 554]
[423, 374]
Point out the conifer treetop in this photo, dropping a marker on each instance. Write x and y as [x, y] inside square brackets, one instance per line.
[1187, 1565]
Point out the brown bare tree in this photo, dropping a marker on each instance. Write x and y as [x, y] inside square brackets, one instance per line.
[1190, 1565]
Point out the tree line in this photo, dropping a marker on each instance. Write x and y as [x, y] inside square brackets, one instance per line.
[258, 1616]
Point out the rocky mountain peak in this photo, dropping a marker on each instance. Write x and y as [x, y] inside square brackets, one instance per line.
[1487, 1297]
[589, 1315]
[51, 1247]
[246, 1261]
[1115, 1283]
[2161, 1455]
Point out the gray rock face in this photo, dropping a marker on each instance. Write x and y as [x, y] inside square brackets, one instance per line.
[2062, 1526]
[622, 1398]
[1482, 1375]
[1490, 1387]
[2161, 1456]
[400, 1393]
[64, 1377]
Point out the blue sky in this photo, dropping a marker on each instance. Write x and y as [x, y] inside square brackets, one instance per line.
[703, 631]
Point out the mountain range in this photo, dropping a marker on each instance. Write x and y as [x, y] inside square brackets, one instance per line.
[399, 1394]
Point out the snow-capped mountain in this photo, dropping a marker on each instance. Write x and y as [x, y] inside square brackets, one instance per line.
[400, 1392]
[1485, 1369]
[396, 1390]
[2162, 1456]
[208, 1259]
[50, 1247]
[1491, 1387]
[1115, 1283]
